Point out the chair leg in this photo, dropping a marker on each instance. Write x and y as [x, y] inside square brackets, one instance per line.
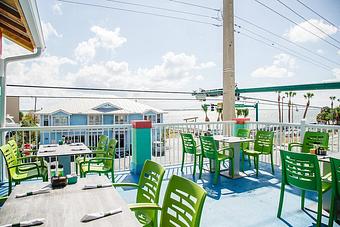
[232, 167]
[282, 193]
[331, 211]
[194, 170]
[272, 162]
[242, 162]
[257, 165]
[217, 172]
[112, 176]
[9, 186]
[201, 167]
[318, 219]
[183, 157]
[303, 195]
[249, 161]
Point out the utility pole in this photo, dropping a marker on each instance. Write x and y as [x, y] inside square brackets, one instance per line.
[228, 61]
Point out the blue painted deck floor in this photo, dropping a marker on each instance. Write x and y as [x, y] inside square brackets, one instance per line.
[247, 201]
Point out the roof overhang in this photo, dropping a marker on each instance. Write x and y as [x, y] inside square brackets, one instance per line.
[20, 23]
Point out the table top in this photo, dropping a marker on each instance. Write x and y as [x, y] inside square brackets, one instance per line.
[50, 150]
[232, 139]
[330, 154]
[65, 207]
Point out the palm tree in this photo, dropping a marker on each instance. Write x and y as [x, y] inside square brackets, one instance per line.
[332, 98]
[308, 97]
[205, 109]
[290, 95]
[219, 113]
[278, 104]
[292, 105]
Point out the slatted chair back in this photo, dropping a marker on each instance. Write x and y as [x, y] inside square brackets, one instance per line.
[208, 147]
[245, 133]
[301, 170]
[314, 138]
[10, 159]
[335, 167]
[101, 145]
[110, 153]
[264, 141]
[183, 203]
[188, 143]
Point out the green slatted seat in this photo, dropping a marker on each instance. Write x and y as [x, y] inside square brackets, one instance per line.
[15, 174]
[148, 189]
[335, 169]
[263, 145]
[209, 150]
[310, 139]
[100, 165]
[189, 147]
[302, 171]
[182, 206]
[98, 151]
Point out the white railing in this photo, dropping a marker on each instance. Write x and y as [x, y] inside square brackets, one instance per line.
[167, 144]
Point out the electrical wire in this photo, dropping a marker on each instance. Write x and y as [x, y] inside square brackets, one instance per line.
[271, 45]
[98, 89]
[290, 20]
[287, 40]
[161, 8]
[316, 13]
[310, 60]
[303, 18]
[195, 5]
[139, 12]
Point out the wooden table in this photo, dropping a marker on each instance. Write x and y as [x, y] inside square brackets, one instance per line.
[63, 153]
[236, 143]
[65, 207]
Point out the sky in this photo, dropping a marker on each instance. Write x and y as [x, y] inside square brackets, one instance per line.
[105, 48]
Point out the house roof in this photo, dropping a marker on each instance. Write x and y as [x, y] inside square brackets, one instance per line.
[20, 23]
[93, 106]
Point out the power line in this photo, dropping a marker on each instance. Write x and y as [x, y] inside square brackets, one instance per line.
[139, 12]
[316, 13]
[98, 89]
[271, 45]
[115, 98]
[287, 40]
[195, 5]
[310, 60]
[165, 9]
[281, 15]
[303, 18]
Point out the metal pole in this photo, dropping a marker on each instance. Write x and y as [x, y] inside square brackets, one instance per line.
[228, 61]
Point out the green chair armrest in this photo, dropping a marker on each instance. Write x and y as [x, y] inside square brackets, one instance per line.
[125, 185]
[27, 157]
[95, 160]
[26, 164]
[144, 206]
[291, 145]
[230, 149]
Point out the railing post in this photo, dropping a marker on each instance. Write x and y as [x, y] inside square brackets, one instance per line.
[302, 129]
[141, 144]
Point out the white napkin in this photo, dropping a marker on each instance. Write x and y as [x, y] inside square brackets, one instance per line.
[39, 191]
[38, 221]
[92, 186]
[94, 216]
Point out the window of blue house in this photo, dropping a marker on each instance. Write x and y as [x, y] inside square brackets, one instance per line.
[60, 120]
[120, 119]
[158, 118]
[45, 120]
[95, 119]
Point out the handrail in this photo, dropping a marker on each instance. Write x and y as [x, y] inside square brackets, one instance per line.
[69, 127]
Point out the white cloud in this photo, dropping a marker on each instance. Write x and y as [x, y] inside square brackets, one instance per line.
[283, 66]
[56, 8]
[49, 30]
[320, 51]
[86, 50]
[338, 52]
[299, 35]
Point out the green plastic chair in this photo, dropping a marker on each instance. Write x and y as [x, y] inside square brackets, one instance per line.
[335, 169]
[27, 159]
[189, 147]
[2, 200]
[148, 189]
[302, 171]
[182, 206]
[15, 174]
[263, 145]
[310, 139]
[243, 133]
[209, 150]
[99, 151]
[100, 165]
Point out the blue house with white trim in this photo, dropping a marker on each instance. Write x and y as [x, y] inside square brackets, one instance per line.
[73, 112]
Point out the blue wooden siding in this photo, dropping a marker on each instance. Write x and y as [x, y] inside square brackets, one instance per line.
[78, 119]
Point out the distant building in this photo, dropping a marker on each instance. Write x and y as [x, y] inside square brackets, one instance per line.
[95, 112]
[12, 108]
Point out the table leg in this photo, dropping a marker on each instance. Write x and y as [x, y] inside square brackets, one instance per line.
[237, 147]
[65, 160]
